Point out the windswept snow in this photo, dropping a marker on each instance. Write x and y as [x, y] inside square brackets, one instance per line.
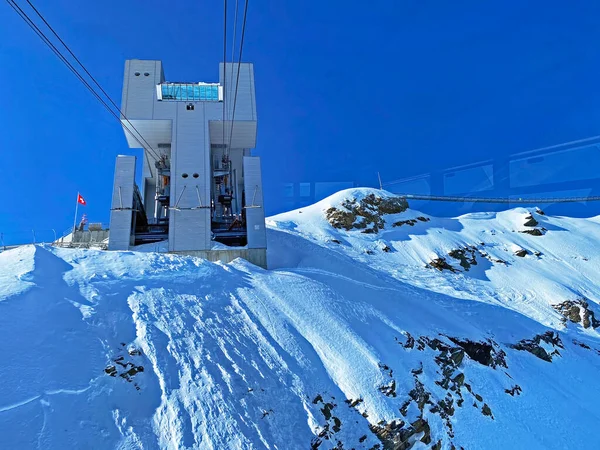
[350, 339]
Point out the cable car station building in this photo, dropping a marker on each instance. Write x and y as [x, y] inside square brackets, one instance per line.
[201, 190]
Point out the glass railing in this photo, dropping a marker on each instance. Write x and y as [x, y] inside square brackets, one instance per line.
[193, 92]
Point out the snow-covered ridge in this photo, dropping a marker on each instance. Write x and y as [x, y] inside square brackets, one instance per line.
[424, 333]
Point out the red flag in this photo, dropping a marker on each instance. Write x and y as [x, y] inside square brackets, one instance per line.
[81, 200]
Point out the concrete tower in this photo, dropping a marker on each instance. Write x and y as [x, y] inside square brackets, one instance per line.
[200, 189]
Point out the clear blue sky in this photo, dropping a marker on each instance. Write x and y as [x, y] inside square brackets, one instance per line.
[344, 89]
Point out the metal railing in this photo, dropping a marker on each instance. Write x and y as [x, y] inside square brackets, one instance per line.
[45, 236]
[524, 200]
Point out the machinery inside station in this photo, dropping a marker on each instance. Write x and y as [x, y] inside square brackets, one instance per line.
[227, 203]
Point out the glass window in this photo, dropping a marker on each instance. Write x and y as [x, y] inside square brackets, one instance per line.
[190, 92]
[304, 189]
[288, 189]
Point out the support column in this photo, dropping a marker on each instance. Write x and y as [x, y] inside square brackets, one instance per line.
[121, 213]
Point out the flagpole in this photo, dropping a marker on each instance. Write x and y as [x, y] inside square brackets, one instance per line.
[76, 208]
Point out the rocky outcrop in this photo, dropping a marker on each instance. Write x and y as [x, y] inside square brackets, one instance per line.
[441, 264]
[577, 311]
[535, 347]
[515, 390]
[427, 412]
[486, 353]
[530, 221]
[366, 214]
[395, 435]
[534, 232]
[466, 256]
[411, 222]
[332, 424]
[124, 365]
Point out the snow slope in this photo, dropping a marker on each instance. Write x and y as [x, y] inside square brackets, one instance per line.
[351, 340]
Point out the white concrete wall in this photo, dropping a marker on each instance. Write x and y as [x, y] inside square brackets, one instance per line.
[121, 214]
[255, 216]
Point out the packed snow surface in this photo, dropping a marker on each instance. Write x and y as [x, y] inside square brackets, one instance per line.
[473, 332]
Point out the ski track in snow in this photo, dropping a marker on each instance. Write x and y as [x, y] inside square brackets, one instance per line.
[236, 357]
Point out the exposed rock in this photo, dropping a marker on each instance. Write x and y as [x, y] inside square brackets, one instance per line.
[577, 311]
[354, 403]
[530, 221]
[389, 389]
[459, 379]
[521, 253]
[266, 413]
[341, 219]
[392, 435]
[422, 426]
[335, 241]
[131, 372]
[386, 249]
[419, 395]
[533, 345]
[326, 410]
[534, 232]
[486, 411]
[332, 424]
[483, 352]
[373, 230]
[466, 256]
[457, 356]
[445, 409]
[337, 425]
[386, 368]
[396, 435]
[365, 214]
[441, 264]
[125, 369]
[410, 222]
[410, 341]
[582, 344]
[515, 390]
[490, 258]
[540, 212]
[418, 371]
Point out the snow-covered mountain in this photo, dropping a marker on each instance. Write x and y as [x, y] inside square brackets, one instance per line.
[376, 327]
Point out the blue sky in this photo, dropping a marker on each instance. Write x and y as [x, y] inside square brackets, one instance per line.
[344, 89]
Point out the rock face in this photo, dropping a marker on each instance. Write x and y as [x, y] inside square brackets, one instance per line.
[124, 365]
[466, 256]
[365, 214]
[522, 253]
[486, 353]
[428, 411]
[411, 222]
[536, 348]
[530, 221]
[534, 232]
[441, 264]
[577, 311]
